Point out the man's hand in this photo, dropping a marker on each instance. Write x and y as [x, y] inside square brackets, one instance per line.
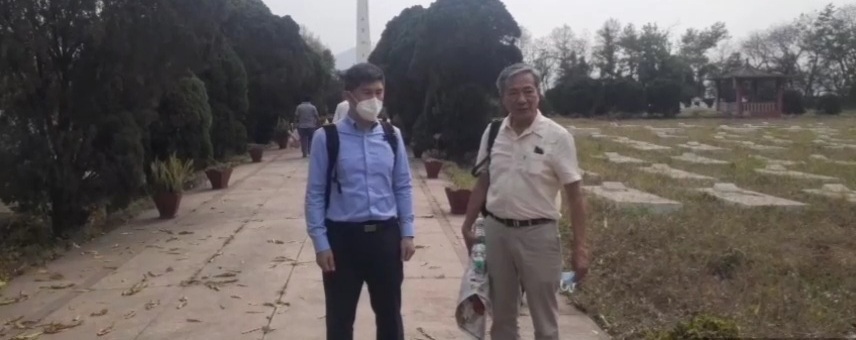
[580, 262]
[469, 237]
[407, 249]
[325, 261]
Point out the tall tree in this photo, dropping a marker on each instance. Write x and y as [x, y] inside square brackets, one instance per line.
[79, 80]
[694, 48]
[605, 54]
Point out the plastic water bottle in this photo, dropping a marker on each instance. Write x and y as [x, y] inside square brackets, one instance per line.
[479, 258]
[479, 231]
[568, 282]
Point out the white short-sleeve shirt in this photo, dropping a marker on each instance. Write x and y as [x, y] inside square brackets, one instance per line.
[527, 171]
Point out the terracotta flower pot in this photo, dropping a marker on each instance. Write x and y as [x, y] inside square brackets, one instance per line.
[219, 178]
[167, 203]
[256, 155]
[282, 141]
[458, 200]
[432, 168]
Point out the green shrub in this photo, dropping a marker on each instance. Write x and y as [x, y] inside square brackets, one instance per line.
[226, 84]
[184, 123]
[829, 104]
[625, 96]
[466, 111]
[664, 97]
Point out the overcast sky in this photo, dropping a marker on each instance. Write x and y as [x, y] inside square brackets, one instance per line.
[335, 20]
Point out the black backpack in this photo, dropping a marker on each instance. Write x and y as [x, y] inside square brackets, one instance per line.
[333, 155]
[491, 138]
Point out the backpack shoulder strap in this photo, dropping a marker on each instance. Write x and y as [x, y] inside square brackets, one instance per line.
[391, 138]
[491, 138]
[332, 135]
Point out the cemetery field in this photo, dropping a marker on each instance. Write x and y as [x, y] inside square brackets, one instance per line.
[773, 271]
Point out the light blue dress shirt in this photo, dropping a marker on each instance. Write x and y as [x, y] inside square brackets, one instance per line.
[372, 187]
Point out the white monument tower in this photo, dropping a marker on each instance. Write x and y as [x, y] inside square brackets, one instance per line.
[364, 38]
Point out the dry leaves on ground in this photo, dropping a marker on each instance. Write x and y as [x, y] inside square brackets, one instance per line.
[28, 336]
[56, 327]
[137, 287]
[8, 301]
[185, 233]
[276, 241]
[58, 286]
[152, 304]
[105, 331]
[193, 320]
[103, 312]
[130, 314]
[182, 302]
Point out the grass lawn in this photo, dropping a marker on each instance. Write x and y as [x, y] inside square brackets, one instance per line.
[773, 272]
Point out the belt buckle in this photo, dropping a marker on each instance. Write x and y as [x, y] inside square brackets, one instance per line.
[370, 228]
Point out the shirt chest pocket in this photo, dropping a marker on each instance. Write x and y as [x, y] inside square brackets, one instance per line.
[537, 160]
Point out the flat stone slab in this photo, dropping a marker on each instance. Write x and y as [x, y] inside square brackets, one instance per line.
[640, 145]
[759, 147]
[779, 170]
[696, 146]
[664, 129]
[776, 140]
[736, 129]
[583, 131]
[690, 157]
[838, 191]
[730, 193]
[776, 161]
[838, 146]
[628, 198]
[685, 125]
[818, 157]
[614, 157]
[666, 135]
[665, 169]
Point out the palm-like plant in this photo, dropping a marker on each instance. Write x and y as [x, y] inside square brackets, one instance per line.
[170, 175]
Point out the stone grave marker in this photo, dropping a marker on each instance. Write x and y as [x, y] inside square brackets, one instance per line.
[666, 170]
[614, 157]
[664, 129]
[779, 170]
[730, 193]
[737, 129]
[759, 147]
[776, 140]
[628, 198]
[823, 158]
[583, 131]
[838, 191]
[776, 161]
[693, 158]
[696, 146]
[685, 125]
[666, 135]
[640, 145]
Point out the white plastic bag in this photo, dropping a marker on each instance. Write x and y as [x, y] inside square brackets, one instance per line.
[473, 300]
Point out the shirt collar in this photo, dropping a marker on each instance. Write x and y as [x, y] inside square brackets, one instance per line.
[536, 127]
[351, 123]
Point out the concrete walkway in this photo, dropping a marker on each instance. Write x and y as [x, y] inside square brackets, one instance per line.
[237, 264]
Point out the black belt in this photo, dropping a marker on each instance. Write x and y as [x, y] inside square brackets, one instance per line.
[367, 226]
[520, 223]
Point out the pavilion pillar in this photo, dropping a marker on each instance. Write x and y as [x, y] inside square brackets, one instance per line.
[780, 98]
[718, 90]
[738, 89]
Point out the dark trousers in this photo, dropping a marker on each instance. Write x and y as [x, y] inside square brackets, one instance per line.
[371, 253]
[305, 139]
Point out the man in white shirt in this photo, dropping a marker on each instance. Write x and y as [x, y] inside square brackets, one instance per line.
[532, 157]
[341, 111]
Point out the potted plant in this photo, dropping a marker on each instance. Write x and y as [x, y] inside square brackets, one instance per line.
[433, 163]
[167, 183]
[256, 152]
[458, 193]
[219, 175]
[281, 134]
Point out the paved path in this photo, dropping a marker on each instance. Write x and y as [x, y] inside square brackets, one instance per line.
[235, 264]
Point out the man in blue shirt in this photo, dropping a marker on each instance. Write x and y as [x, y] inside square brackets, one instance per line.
[360, 218]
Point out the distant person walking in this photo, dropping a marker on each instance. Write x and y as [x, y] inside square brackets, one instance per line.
[341, 111]
[359, 209]
[523, 162]
[308, 121]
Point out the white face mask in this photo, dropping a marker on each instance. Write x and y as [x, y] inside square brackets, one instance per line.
[369, 109]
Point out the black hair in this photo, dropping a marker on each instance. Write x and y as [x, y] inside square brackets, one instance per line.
[360, 74]
[307, 99]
